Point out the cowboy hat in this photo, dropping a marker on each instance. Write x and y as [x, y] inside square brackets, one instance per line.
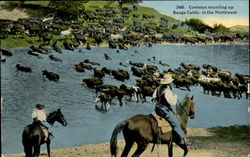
[40, 106]
[167, 79]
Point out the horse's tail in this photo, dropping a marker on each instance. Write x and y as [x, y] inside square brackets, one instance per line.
[25, 135]
[113, 141]
[26, 141]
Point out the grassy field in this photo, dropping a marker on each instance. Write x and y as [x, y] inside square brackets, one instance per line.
[37, 8]
[12, 41]
[41, 8]
[27, 41]
[231, 135]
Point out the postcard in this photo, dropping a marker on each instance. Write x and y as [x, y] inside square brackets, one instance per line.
[125, 78]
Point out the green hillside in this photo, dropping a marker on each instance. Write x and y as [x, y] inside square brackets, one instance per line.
[33, 7]
[141, 23]
[39, 9]
[239, 28]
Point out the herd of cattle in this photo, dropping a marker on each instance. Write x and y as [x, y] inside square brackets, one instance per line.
[105, 26]
[214, 80]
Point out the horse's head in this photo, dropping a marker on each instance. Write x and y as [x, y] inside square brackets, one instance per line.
[56, 116]
[186, 108]
[190, 107]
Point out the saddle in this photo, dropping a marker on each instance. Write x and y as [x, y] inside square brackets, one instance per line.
[163, 124]
[45, 130]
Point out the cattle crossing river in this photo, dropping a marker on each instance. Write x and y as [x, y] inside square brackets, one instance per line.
[21, 91]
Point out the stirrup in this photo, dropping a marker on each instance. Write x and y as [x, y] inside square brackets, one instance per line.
[187, 142]
[51, 136]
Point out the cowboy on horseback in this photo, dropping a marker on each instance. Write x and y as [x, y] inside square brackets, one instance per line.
[39, 116]
[165, 98]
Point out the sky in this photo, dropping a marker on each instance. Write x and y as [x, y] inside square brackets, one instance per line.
[203, 10]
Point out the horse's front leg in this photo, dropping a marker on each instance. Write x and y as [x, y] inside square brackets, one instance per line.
[137, 97]
[107, 105]
[170, 149]
[219, 93]
[48, 147]
[103, 106]
[120, 101]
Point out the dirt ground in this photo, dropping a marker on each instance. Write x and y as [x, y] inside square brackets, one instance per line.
[12, 14]
[102, 149]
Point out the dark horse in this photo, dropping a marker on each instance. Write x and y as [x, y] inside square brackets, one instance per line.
[142, 130]
[33, 136]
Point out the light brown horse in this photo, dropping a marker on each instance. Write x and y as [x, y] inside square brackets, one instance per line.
[142, 130]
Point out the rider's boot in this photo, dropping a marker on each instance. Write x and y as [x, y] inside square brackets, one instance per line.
[185, 139]
[50, 135]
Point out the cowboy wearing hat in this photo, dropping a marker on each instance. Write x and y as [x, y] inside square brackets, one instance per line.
[39, 116]
[165, 98]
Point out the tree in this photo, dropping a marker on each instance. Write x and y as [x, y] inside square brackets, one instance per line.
[198, 25]
[121, 2]
[21, 3]
[67, 9]
[220, 28]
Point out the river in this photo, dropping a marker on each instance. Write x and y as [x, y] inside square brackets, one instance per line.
[21, 91]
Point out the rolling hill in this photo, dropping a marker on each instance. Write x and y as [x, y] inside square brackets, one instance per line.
[239, 28]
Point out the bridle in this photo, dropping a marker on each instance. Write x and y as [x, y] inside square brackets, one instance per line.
[52, 116]
[185, 110]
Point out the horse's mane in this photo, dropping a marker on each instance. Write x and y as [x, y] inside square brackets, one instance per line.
[181, 106]
[52, 113]
[56, 116]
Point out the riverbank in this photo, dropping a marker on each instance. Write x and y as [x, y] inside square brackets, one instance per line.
[22, 43]
[202, 146]
[13, 15]
[102, 150]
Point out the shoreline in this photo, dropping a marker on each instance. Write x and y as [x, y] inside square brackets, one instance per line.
[102, 150]
[191, 132]
[163, 43]
[198, 149]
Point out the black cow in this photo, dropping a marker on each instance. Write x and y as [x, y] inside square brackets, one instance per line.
[50, 75]
[98, 73]
[137, 72]
[90, 62]
[79, 68]
[92, 82]
[68, 45]
[6, 52]
[52, 57]
[106, 70]
[22, 68]
[56, 48]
